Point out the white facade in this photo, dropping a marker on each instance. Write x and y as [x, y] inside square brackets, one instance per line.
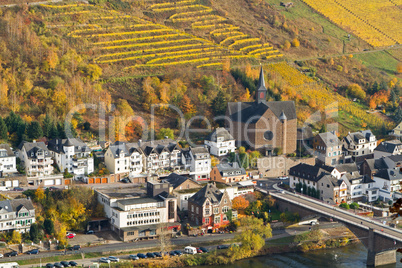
[360, 143]
[73, 155]
[17, 214]
[136, 163]
[37, 159]
[387, 187]
[8, 163]
[198, 161]
[220, 142]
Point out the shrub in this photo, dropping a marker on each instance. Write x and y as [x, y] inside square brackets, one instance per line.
[344, 205]
[295, 42]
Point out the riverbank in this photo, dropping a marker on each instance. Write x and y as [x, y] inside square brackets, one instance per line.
[311, 240]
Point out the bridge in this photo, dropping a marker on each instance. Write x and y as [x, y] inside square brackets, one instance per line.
[380, 240]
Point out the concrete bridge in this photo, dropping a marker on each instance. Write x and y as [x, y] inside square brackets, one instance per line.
[380, 240]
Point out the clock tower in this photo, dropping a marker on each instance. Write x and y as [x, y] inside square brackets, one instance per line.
[261, 92]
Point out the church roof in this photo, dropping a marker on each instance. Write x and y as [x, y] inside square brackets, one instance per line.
[261, 81]
[251, 112]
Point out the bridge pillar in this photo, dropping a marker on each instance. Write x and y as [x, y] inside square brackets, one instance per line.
[375, 258]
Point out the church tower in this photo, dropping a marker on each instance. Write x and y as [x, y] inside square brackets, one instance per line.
[261, 92]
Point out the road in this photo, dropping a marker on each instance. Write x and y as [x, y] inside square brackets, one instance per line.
[334, 212]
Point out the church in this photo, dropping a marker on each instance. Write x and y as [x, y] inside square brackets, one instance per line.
[263, 125]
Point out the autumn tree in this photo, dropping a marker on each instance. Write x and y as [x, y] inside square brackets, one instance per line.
[253, 235]
[124, 108]
[165, 132]
[246, 96]
[39, 194]
[148, 93]
[399, 68]
[354, 90]
[214, 161]
[286, 45]
[240, 203]
[295, 42]
[93, 72]
[165, 236]
[187, 107]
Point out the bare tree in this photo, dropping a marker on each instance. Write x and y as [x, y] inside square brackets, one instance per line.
[165, 237]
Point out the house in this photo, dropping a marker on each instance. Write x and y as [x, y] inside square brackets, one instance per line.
[220, 142]
[136, 160]
[360, 187]
[198, 161]
[208, 206]
[328, 148]
[182, 187]
[397, 131]
[161, 155]
[388, 148]
[37, 159]
[371, 166]
[16, 214]
[332, 190]
[117, 159]
[236, 189]
[309, 175]
[389, 182]
[8, 161]
[358, 146]
[228, 173]
[136, 214]
[263, 125]
[72, 155]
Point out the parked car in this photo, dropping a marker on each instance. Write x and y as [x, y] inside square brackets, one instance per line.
[58, 265]
[172, 253]
[18, 189]
[205, 250]
[133, 257]
[1, 255]
[33, 251]
[73, 263]
[199, 250]
[52, 188]
[113, 258]
[158, 254]
[142, 256]
[125, 180]
[65, 263]
[70, 236]
[150, 255]
[178, 252]
[90, 232]
[222, 247]
[11, 254]
[76, 247]
[104, 260]
[49, 265]
[190, 250]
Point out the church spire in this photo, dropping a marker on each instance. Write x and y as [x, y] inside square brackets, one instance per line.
[261, 92]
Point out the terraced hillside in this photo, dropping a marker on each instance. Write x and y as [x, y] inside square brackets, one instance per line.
[378, 22]
[203, 20]
[140, 45]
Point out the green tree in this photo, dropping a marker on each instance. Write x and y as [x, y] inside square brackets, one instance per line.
[48, 226]
[344, 205]
[219, 105]
[165, 132]
[3, 130]
[47, 125]
[53, 133]
[34, 130]
[354, 205]
[87, 125]
[34, 233]
[253, 234]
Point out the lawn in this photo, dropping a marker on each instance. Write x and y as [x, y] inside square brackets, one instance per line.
[380, 60]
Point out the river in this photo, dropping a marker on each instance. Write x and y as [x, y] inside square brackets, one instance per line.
[351, 256]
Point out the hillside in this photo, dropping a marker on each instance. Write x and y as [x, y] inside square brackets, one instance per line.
[197, 55]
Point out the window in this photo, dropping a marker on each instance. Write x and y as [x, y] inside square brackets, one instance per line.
[216, 210]
[225, 201]
[196, 210]
[207, 212]
[207, 221]
[217, 219]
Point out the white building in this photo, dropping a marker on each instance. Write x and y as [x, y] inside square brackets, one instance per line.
[161, 155]
[117, 158]
[73, 155]
[8, 163]
[37, 159]
[135, 214]
[359, 145]
[136, 164]
[360, 187]
[388, 181]
[388, 148]
[16, 214]
[198, 161]
[220, 142]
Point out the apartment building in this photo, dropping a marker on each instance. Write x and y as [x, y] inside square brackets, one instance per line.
[37, 159]
[328, 149]
[220, 142]
[360, 145]
[16, 214]
[72, 155]
[160, 155]
[198, 161]
[229, 173]
[8, 163]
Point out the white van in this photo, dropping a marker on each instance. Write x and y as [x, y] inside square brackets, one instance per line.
[190, 250]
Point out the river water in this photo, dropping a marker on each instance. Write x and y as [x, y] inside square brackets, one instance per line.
[352, 256]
